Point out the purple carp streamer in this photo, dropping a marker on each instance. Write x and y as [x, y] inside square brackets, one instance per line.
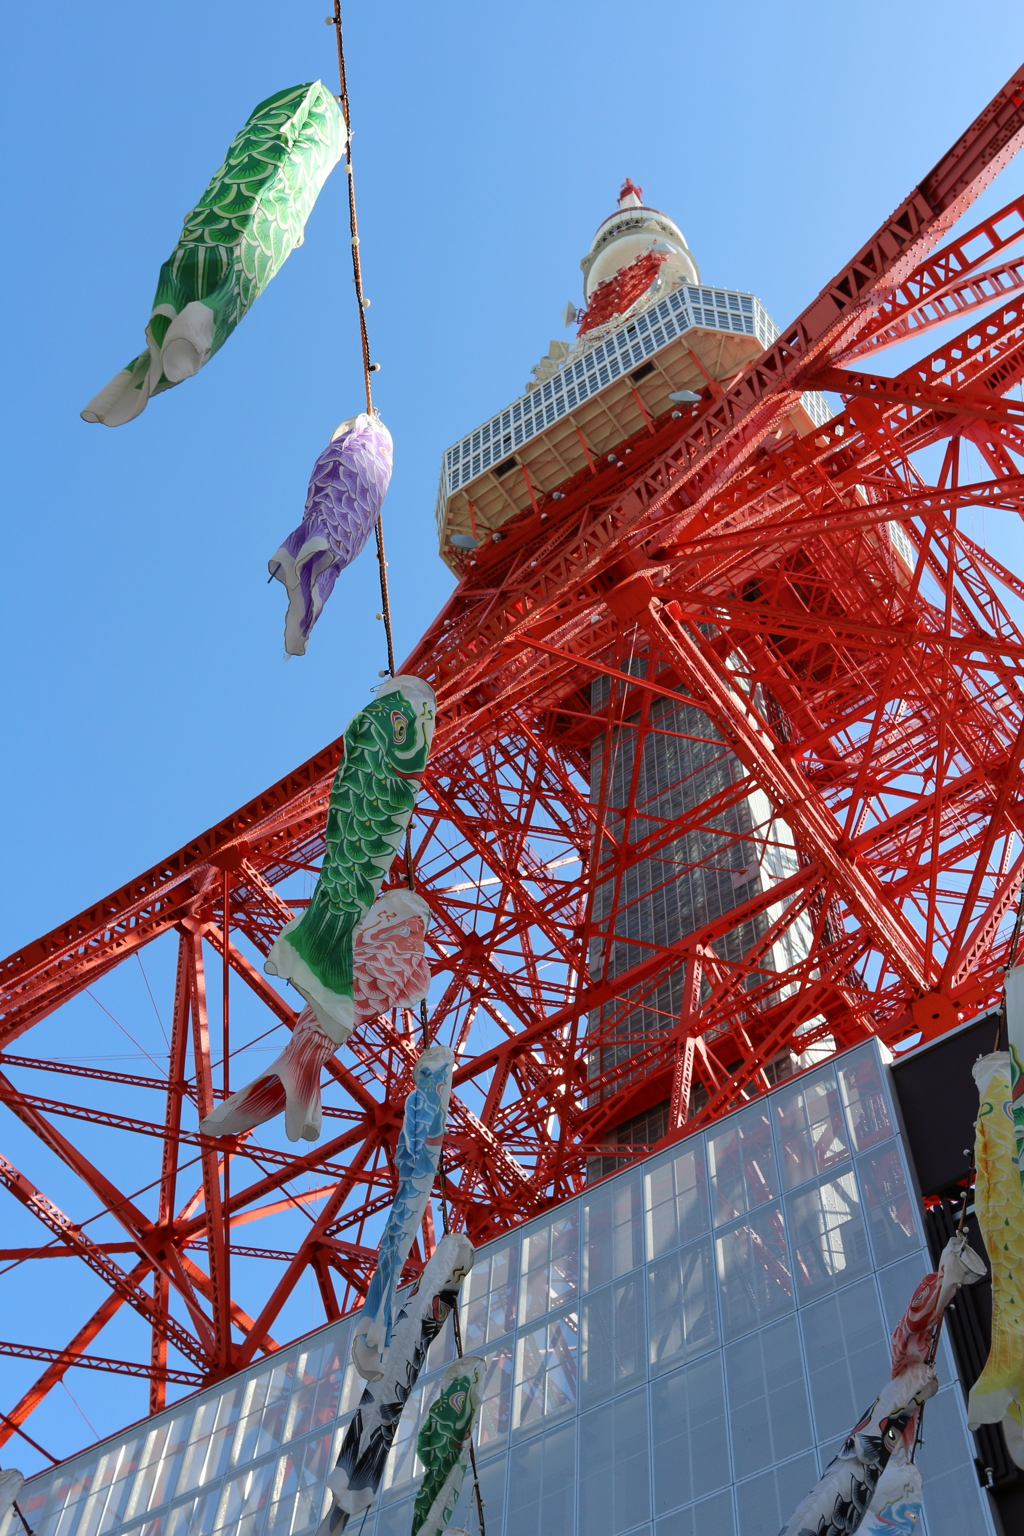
[346, 492]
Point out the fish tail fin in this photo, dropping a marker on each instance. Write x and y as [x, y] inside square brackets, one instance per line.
[314, 953]
[291, 1083]
[125, 397]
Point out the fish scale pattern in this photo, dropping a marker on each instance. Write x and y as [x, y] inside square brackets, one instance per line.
[998, 1394]
[386, 749]
[232, 243]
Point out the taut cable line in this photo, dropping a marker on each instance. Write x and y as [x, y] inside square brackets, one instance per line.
[357, 278]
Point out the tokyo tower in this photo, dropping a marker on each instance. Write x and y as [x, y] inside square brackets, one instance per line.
[727, 777]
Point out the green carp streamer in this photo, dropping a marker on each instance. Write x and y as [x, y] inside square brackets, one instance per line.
[443, 1445]
[245, 225]
[386, 749]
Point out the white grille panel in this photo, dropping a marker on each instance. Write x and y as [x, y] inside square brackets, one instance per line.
[685, 308]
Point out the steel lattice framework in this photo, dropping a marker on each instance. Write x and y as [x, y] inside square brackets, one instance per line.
[864, 684]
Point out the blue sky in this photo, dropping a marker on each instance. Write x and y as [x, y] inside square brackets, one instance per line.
[146, 688]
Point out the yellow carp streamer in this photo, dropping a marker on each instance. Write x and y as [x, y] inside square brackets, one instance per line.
[998, 1394]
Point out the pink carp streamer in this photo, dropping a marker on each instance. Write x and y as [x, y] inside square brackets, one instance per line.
[390, 971]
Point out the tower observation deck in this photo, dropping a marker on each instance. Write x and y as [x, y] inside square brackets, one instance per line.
[588, 397]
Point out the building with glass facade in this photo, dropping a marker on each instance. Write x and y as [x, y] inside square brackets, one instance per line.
[677, 1351]
[690, 881]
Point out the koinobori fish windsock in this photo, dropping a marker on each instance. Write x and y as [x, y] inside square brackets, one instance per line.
[914, 1334]
[873, 1478]
[1015, 1040]
[239, 234]
[11, 1481]
[898, 1501]
[839, 1502]
[416, 1159]
[291, 1083]
[443, 1445]
[372, 797]
[346, 491]
[997, 1397]
[371, 1433]
[389, 971]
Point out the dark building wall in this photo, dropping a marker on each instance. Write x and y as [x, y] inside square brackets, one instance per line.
[938, 1102]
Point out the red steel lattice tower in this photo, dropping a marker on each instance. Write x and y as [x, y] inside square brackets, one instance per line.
[721, 655]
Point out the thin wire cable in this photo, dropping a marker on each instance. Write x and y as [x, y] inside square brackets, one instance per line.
[933, 1351]
[457, 1329]
[357, 278]
[17, 1510]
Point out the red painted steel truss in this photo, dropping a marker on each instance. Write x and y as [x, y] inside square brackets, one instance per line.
[850, 667]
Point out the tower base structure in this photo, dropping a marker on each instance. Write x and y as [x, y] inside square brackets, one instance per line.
[726, 781]
[684, 1344]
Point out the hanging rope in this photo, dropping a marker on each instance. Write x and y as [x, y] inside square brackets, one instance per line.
[933, 1351]
[357, 278]
[457, 1327]
[368, 368]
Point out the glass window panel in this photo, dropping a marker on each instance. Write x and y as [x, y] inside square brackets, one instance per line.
[212, 1431]
[263, 1413]
[711, 1517]
[846, 1344]
[830, 1245]
[393, 1519]
[754, 1280]
[243, 1500]
[492, 1492]
[612, 1342]
[159, 1465]
[195, 1517]
[304, 1391]
[683, 1306]
[317, 1458]
[32, 1503]
[892, 1221]
[953, 1502]
[810, 1128]
[541, 1485]
[742, 1165]
[765, 1503]
[111, 1485]
[612, 1231]
[546, 1372]
[496, 1397]
[442, 1350]
[898, 1283]
[677, 1199]
[689, 1434]
[150, 1528]
[92, 1484]
[403, 1464]
[550, 1266]
[489, 1296]
[769, 1415]
[298, 1493]
[614, 1481]
[865, 1102]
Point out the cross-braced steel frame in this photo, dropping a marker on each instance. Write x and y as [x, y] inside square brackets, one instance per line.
[847, 658]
